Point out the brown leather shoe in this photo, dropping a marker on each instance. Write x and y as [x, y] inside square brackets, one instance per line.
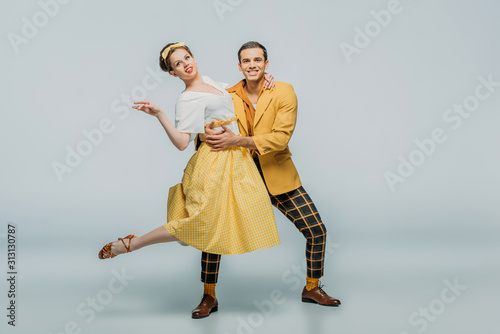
[318, 296]
[208, 305]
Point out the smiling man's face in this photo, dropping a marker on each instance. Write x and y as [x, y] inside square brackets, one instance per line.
[252, 64]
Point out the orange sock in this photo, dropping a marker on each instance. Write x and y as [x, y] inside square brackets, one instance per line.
[311, 283]
[209, 289]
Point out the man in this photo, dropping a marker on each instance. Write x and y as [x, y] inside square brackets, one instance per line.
[266, 120]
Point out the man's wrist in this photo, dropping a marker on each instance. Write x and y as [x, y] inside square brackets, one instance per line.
[246, 142]
[242, 141]
[236, 141]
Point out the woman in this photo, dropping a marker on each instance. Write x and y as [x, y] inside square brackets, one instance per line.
[222, 205]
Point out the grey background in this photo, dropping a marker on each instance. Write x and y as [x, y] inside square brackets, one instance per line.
[390, 252]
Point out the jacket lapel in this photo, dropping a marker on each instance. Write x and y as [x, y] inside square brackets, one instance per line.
[262, 104]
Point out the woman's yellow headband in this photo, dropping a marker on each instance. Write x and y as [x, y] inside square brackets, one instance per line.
[165, 52]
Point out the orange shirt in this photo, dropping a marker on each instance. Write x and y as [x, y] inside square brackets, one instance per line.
[239, 89]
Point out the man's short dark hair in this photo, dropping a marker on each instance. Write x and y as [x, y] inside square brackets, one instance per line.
[252, 45]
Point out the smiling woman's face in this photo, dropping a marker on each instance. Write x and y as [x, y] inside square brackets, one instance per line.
[183, 64]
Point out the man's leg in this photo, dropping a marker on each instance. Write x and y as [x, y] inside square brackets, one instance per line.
[298, 207]
[209, 274]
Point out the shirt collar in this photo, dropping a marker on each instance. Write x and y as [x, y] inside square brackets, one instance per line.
[239, 89]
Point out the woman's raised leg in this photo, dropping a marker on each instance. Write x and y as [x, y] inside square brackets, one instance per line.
[158, 235]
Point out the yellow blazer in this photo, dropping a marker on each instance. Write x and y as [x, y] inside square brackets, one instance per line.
[274, 123]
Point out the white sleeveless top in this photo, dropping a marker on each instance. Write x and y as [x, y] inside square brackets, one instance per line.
[194, 110]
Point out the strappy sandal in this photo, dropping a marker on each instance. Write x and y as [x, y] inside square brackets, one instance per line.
[105, 252]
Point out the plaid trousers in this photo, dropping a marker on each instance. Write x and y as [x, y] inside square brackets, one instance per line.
[298, 207]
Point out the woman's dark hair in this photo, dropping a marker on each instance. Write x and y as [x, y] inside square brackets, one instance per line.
[165, 63]
[252, 45]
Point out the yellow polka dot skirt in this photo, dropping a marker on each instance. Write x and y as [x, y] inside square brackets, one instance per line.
[222, 205]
